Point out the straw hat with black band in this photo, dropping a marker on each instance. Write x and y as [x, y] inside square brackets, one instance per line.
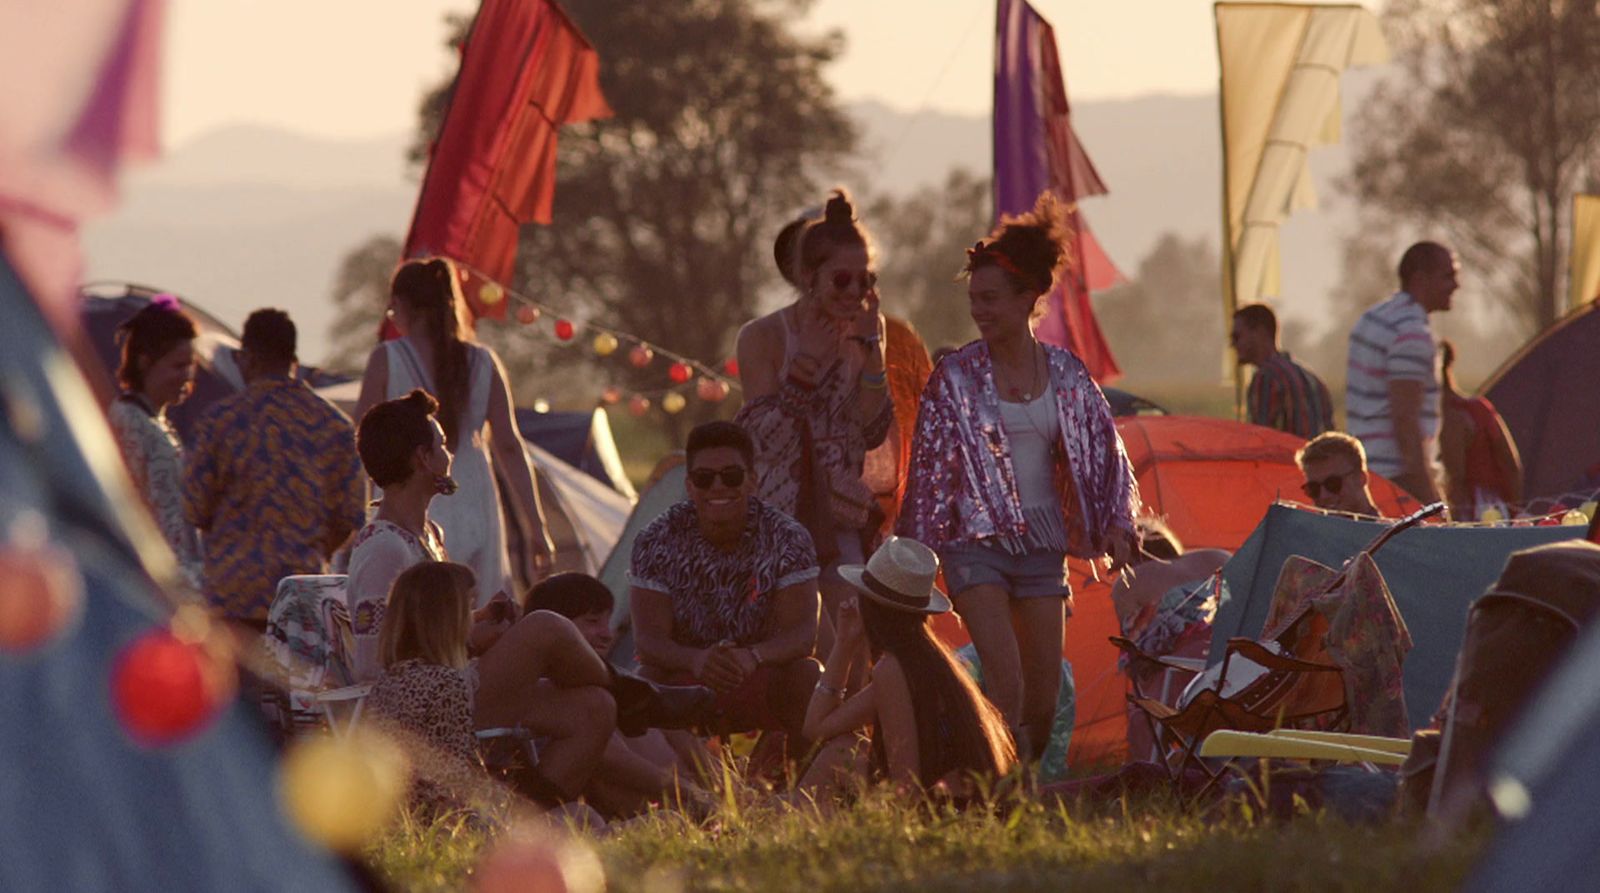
[900, 576]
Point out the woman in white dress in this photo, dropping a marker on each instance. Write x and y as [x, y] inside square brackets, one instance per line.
[435, 353]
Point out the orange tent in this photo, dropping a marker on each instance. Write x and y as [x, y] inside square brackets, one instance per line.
[1212, 480]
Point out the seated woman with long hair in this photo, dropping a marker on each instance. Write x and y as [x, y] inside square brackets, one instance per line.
[928, 722]
[539, 673]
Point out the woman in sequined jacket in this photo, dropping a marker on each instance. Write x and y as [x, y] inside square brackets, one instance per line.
[1016, 465]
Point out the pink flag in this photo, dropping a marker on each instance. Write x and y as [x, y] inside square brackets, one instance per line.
[1036, 149]
[83, 100]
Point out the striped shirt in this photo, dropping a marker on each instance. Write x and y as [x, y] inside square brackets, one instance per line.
[1289, 397]
[1391, 342]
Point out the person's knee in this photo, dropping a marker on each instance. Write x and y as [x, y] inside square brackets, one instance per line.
[595, 708]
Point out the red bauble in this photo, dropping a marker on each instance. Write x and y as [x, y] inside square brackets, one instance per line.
[641, 355]
[165, 689]
[41, 595]
[731, 366]
[611, 395]
[680, 373]
[527, 314]
[712, 390]
[565, 329]
[639, 405]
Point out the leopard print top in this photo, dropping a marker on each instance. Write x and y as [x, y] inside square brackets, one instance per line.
[428, 707]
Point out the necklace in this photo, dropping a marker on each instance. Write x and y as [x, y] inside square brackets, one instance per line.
[1018, 395]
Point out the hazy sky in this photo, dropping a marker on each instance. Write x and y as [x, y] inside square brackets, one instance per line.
[356, 68]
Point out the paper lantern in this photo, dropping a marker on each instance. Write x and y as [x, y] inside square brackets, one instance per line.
[491, 293]
[641, 355]
[1575, 518]
[537, 861]
[1491, 515]
[639, 404]
[41, 594]
[527, 314]
[541, 405]
[166, 689]
[565, 329]
[342, 791]
[731, 366]
[605, 344]
[680, 372]
[611, 395]
[712, 390]
[673, 403]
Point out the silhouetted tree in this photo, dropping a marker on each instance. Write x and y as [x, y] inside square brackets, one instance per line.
[923, 240]
[1484, 137]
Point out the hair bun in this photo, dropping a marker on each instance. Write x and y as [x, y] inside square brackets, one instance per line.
[839, 208]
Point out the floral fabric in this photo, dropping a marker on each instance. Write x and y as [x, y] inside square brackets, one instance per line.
[1366, 637]
[154, 456]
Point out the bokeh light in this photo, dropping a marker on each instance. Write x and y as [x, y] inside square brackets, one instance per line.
[341, 791]
[41, 590]
[166, 688]
[641, 355]
[611, 395]
[538, 861]
[680, 372]
[712, 390]
[673, 402]
[565, 329]
[605, 344]
[491, 293]
[639, 404]
[731, 366]
[527, 314]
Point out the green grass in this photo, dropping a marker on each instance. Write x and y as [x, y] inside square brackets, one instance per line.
[884, 842]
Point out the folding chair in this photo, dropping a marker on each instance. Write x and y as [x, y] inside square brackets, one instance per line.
[341, 707]
[310, 639]
[1289, 681]
[1292, 744]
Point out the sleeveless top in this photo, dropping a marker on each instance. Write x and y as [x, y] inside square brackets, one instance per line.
[474, 531]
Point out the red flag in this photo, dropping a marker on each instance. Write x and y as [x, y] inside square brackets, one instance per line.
[1036, 149]
[525, 71]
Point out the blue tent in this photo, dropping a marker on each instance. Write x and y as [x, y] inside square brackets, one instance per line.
[83, 807]
[1433, 572]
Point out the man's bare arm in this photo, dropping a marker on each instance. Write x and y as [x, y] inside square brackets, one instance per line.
[1405, 409]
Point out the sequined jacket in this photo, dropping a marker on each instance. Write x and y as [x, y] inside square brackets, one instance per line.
[961, 486]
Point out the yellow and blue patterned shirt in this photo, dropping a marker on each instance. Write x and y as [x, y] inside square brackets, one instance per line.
[275, 484]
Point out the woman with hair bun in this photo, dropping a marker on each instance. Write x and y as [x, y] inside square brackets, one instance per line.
[816, 393]
[435, 353]
[1016, 464]
[157, 371]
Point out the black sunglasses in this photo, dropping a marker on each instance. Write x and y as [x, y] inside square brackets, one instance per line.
[703, 478]
[1333, 483]
[843, 278]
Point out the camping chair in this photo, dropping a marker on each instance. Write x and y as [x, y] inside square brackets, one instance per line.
[310, 638]
[1294, 744]
[341, 707]
[1291, 679]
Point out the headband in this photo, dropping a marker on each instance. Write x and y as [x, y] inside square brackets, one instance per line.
[979, 252]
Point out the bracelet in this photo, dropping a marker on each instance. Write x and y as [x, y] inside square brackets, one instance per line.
[827, 689]
[755, 654]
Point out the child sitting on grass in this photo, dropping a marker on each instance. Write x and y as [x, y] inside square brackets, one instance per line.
[634, 770]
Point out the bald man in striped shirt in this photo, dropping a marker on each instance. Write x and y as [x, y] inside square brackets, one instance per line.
[1392, 385]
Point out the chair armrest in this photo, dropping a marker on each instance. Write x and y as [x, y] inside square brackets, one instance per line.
[1245, 744]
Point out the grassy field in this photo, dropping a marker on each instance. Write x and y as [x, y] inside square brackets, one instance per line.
[885, 843]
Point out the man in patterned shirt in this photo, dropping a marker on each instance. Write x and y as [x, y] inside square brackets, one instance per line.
[273, 481]
[724, 591]
[1283, 394]
[1392, 384]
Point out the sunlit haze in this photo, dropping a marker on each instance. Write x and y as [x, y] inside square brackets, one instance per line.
[355, 68]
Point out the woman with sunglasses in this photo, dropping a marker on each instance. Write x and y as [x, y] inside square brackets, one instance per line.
[1016, 464]
[816, 393]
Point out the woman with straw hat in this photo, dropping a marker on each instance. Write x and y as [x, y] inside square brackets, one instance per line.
[927, 722]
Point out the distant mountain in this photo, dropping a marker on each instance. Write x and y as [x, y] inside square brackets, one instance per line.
[247, 216]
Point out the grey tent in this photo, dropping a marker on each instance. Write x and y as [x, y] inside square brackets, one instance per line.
[1433, 572]
[1543, 784]
[83, 807]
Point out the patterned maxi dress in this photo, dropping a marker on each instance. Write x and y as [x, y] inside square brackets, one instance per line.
[154, 457]
[474, 532]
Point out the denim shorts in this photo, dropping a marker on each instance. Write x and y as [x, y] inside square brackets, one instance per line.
[1039, 573]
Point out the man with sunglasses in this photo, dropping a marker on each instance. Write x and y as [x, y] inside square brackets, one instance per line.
[1335, 468]
[724, 592]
